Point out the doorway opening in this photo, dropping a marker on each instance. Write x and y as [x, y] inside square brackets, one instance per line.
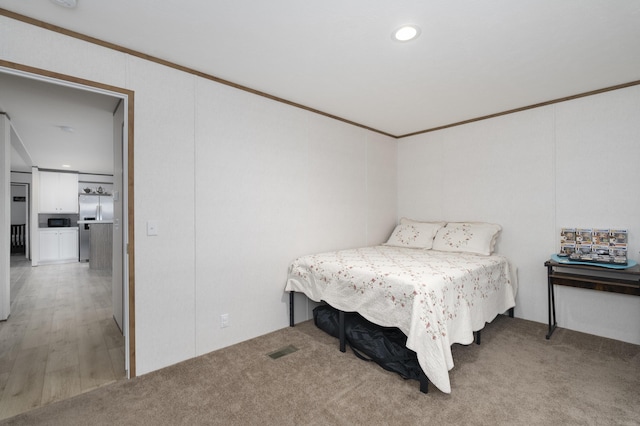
[20, 220]
[25, 235]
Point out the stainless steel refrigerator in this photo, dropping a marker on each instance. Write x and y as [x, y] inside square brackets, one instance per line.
[91, 208]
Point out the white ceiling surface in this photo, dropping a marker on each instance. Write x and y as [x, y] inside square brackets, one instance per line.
[472, 59]
[38, 110]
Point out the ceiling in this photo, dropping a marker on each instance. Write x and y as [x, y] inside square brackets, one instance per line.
[58, 125]
[472, 58]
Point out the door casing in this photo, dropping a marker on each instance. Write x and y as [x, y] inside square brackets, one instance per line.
[127, 190]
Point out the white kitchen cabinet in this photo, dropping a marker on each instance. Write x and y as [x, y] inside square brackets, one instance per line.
[58, 192]
[49, 245]
[59, 245]
[68, 244]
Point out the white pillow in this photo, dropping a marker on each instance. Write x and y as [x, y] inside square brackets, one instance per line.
[404, 221]
[467, 237]
[414, 235]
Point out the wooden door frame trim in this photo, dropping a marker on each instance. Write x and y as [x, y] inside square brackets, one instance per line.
[130, 249]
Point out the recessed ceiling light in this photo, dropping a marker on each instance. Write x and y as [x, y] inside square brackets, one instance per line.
[66, 166]
[69, 4]
[406, 33]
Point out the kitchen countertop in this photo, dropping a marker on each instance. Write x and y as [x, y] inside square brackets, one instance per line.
[82, 222]
[57, 227]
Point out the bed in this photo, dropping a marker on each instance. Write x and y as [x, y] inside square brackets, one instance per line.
[438, 287]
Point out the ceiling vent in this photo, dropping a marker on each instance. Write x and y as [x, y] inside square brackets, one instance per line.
[69, 4]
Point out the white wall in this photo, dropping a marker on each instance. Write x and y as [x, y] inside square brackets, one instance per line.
[534, 172]
[272, 183]
[240, 186]
[20, 177]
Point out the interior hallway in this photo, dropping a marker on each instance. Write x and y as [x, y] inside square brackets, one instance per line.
[61, 339]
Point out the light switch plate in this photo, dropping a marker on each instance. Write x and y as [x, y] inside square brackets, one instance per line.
[152, 228]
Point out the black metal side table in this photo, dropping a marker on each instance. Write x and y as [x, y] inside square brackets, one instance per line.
[625, 281]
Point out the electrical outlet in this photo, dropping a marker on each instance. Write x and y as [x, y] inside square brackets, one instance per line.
[224, 320]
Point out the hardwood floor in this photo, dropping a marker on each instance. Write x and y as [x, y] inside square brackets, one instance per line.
[60, 339]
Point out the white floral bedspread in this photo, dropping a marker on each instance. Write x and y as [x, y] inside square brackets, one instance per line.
[436, 298]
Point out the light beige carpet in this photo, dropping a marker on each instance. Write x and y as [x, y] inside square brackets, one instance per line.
[515, 377]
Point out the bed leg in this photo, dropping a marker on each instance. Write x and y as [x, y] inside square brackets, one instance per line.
[343, 346]
[291, 324]
[511, 310]
[478, 334]
[424, 383]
